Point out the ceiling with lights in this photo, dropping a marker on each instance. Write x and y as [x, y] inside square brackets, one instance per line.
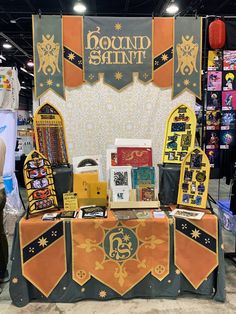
[16, 28]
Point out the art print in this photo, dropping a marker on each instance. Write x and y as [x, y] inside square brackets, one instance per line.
[229, 60]
[229, 100]
[213, 100]
[214, 81]
[120, 177]
[214, 60]
[212, 139]
[229, 82]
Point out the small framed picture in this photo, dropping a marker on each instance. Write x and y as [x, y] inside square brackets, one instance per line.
[120, 194]
[111, 160]
[120, 176]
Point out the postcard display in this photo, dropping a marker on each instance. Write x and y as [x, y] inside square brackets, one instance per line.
[50, 134]
[194, 179]
[221, 103]
[39, 183]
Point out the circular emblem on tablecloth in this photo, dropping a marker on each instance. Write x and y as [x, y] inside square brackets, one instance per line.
[120, 244]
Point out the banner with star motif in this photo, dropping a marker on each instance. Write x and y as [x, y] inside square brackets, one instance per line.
[187, 63]
[163, 51]
[48, 54]
[43, 253]
[119, 254]
[73, 50]
[196, 248]
[117, 47]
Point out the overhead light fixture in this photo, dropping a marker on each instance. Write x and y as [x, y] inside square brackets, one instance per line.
[6, 45]
[24, 70]
[23, 82]
[30, 63]
[13, 21]
[172, 8]
[3, 58]
[79, 7]
[23, 87]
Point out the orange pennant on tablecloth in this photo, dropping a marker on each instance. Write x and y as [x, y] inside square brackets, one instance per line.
[119, 253]
[163, 51]
[43, 253]
[73, 50]
[196, 248]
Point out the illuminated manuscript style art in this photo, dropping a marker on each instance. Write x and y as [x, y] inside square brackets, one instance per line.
[50, 134]
[187, 55]
[39, 183]
[117, 47]
[194, 179]
[48, 50]
[179, 134]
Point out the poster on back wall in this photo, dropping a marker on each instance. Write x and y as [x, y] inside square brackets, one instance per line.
[117, 47]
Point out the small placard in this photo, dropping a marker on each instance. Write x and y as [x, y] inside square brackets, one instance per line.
[70, 201]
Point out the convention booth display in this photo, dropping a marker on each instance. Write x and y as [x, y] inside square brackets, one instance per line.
[127, 236]
[131, 249]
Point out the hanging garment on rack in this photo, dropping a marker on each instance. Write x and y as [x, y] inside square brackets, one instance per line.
[9, 88]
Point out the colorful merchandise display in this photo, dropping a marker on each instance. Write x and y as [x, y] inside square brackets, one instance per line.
[39, 183]
[194, 179]
[179, 134]
[50, 134]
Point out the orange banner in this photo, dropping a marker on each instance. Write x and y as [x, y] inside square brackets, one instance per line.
[163, 51]
[73, 50]
[196, 248]
[120, 253]
[43, 253]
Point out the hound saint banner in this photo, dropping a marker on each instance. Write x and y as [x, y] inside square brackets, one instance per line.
[187, 56]
[47, 42]
[117, 47]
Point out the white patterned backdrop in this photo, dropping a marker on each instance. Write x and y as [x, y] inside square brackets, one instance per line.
[95, 115]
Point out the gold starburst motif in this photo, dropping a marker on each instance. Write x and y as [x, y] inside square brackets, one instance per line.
[71, 56]
[91, 76]
[43, 242]
[164, 57]
[145, 75]
[118, 26]
[186, 82]
[126, 238]
[15, 280]
[102, 294]
[118, 76]
[49, 82]
[195, 233]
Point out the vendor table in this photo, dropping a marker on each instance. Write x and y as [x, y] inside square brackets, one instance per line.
[102, 259]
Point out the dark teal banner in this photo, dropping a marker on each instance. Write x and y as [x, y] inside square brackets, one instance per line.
[48, 51]
[187, 55]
